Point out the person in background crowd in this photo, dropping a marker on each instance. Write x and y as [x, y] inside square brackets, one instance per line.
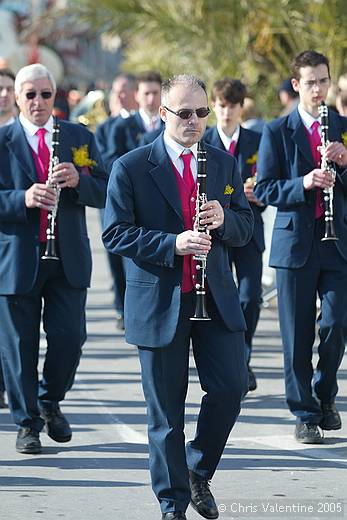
[7, 100]
[35, 287]
[149, 219]
[122, 105]
[291, 178]
[227, 101]
[343, 105]
[250, 116]
[122, 100]
[7, 113]
[288, 97]
[125, 135]
[341, 95]
[74, 97]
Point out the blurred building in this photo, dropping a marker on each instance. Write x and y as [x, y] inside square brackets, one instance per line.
[49, 32]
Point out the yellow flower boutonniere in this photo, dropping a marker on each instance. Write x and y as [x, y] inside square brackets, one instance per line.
[344, 138]
[228, 190]
[252, 159]
[80, 157]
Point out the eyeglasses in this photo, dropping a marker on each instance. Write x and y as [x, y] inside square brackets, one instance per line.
[46, 94]
[186, 113]
[317, 82]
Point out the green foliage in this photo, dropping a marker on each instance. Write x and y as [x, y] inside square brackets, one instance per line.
[254, 40]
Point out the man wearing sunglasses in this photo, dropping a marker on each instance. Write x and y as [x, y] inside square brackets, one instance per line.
[228, 95]
[29, 285]
[149, 218]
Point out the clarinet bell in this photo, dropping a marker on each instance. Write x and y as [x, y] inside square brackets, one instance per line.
[329, 233]
[50, 251]
[200, 313]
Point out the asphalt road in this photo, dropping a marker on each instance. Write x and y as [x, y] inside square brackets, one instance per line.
[102, 474]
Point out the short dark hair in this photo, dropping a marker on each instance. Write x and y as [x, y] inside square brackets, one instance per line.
[287, 86]
[7, 73]
[148, 76]
[231, 90]
[185, 79]
[130, 78]
[308, 59]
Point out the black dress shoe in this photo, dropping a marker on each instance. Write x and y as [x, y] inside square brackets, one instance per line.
[331, 417]
[252, 382]
[2, 400]
[201, 497]
[307, 433]
[28, 441]
[57, 425]
[177, 515]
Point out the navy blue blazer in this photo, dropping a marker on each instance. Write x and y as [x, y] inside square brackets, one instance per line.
[246, 153]
[125, 135]
[103, 138]
[148, 137]
[284, 158]
[143, 216]
[19, 226]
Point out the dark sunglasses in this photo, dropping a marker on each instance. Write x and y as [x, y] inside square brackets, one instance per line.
[46, 94]
[186, 113]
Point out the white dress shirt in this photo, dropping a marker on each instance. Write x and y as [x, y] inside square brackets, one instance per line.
[175, 150]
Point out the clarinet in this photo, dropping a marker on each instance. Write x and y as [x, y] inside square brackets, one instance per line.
[201, 198]
[328, 193]
[51, 245]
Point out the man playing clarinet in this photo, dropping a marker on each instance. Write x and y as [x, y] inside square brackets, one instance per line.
[32, 286]
[291, 178]
[149, 218]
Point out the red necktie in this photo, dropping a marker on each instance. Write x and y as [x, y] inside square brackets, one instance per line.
[315, 142]
[187, 172]
[43, 153]
[232, 147]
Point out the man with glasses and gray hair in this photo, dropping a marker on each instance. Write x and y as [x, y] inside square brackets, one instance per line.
[29, 284]
[149, 218]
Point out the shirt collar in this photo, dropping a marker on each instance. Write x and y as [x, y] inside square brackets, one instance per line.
[9, 121]
[31, 129]
[146, 118]
[307, 118]
[226, 139]
[124, 113]
[174, 149]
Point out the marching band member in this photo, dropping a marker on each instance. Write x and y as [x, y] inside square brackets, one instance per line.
[290, 177]
[148, 218]
[227, 101]
[30, 284]
[7, 111]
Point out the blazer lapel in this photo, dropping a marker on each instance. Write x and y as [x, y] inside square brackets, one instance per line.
[298, 134]
[211, 176]
[20, 148]
[244, 147]
[216, 140]
[164, 176]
